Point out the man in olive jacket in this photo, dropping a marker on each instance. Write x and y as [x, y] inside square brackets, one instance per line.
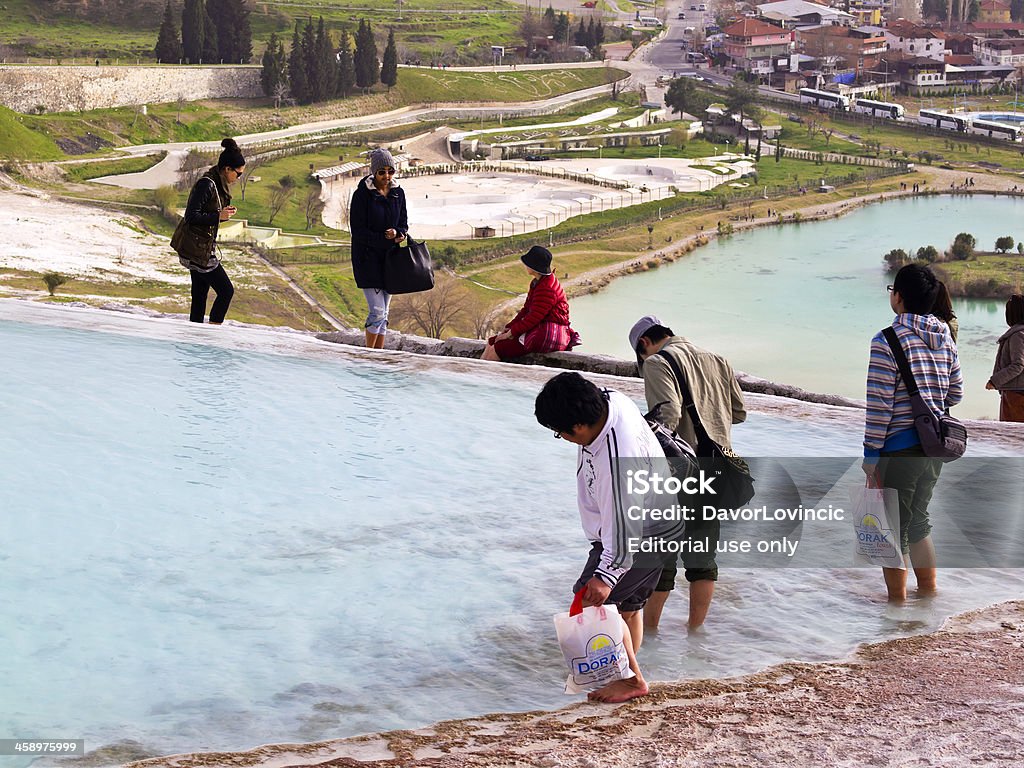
[719, 403]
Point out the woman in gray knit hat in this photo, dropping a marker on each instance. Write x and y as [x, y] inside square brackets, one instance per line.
[377, 220]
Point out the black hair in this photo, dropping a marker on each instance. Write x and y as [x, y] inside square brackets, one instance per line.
[569, 399]
[917, 285]
[943, 306]
[231, 157]
[655, 333]
[1015, 309]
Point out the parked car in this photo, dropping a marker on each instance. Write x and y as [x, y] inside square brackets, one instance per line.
[537, 158]
[590, 4]
[693, 7]
[681, 15]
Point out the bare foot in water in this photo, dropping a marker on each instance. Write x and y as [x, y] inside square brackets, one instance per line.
[620, 691]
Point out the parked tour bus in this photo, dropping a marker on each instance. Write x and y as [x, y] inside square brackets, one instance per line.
[879, 108]
[996, 130]
[824, 99]
[944, 120]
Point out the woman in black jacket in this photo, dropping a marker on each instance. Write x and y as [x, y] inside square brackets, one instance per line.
[378, 220]
[208, 205]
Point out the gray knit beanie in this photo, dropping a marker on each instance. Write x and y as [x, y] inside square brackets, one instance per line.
[380, 158]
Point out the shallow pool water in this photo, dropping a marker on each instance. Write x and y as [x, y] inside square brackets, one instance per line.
[211, 549]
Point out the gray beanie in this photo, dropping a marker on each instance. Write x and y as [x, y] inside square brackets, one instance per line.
[380, 158]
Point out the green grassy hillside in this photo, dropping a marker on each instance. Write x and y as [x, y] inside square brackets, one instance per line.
[19, 141]
[108, 30]
[42, 137]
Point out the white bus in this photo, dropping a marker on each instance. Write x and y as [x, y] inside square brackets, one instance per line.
[943, 120]
[997, 130]
[649, 21]
[824, 99]
[879, 108]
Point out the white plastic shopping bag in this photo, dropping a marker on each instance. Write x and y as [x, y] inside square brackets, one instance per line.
[592, 645]
[876, 522]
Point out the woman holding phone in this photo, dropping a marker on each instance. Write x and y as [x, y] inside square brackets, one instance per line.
[378, 220]
[208, 205]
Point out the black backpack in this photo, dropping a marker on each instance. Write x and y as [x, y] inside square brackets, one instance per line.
[680, 454]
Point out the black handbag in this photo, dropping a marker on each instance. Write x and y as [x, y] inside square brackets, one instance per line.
[733, 484]
[408, 269]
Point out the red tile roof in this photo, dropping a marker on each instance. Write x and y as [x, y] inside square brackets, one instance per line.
[752, 28]
[909, 29]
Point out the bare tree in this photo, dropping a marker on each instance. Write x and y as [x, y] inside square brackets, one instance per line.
[280, 94]
[812, 122]
[193, 166]
[179, 103]
[483, 317]
[251, 164]
[314, 205]
[431, 311]
[531, 27]
[280, 194]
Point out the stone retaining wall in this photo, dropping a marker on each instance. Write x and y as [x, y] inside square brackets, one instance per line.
[573, 361]
[76, 88]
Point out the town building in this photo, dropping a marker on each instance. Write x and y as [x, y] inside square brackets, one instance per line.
[758, 47]
[793, 14]
[915, 40]
[1001, 52]
[994, 12]
[856, 49]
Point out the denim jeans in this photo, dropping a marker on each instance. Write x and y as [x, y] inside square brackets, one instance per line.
[378, 301]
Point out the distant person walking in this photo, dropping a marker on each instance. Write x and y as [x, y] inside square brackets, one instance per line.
[378, 220]
[208, 205]
[893, 456]
[1008, 373]
[542, 325]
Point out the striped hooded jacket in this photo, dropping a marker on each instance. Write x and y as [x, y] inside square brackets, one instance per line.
[889, 423]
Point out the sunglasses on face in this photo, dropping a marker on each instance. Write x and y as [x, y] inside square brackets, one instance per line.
[386, 172]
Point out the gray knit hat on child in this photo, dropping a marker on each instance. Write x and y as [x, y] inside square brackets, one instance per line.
[380, 158]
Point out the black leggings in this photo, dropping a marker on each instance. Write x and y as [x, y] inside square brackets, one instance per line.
[202, 282]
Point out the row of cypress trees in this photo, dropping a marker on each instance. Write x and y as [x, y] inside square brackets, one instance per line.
[314, 71]
[212, 31]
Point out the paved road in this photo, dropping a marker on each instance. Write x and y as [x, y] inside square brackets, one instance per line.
[401, 116]
[666, 56]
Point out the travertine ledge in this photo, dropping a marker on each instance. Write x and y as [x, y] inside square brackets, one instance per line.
[951, 698]
[573, 361]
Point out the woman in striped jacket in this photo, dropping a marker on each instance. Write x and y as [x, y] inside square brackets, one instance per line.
[893, 456]
[542, 325]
